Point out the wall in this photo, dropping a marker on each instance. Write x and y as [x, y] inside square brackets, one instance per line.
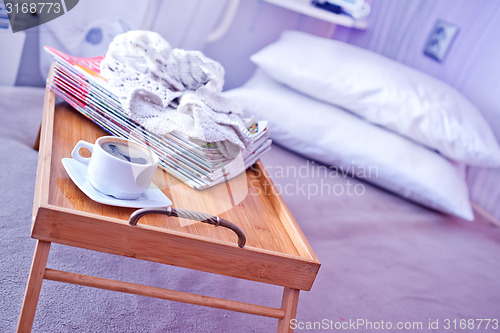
[256, 25]
[185, 24]
[398, 30]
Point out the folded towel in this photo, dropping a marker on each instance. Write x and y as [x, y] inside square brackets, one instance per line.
[166, 90]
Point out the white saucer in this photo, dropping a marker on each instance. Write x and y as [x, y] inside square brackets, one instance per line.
[153, 197]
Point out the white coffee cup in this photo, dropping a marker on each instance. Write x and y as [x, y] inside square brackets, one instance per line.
[118, 167]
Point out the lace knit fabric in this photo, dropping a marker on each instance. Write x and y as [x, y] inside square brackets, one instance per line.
[166, 90]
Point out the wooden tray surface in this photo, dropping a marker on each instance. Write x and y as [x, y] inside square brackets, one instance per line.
[272, 233]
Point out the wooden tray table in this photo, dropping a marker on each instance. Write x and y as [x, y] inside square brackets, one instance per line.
[276, 251]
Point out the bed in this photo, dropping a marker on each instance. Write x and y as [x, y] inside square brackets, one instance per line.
[386, 260]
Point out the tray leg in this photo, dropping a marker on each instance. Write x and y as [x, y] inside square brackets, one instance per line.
[36, 144]
[289, 303]
[33, 287]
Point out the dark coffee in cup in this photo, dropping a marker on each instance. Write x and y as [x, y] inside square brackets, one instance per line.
[118, 167]
[125, 152]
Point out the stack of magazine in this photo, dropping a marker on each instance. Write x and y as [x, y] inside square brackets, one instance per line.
[197, 163]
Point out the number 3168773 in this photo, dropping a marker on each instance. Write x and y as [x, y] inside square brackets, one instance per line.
[32, 7]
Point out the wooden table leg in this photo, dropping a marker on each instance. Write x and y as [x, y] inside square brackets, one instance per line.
[33, 287]
[36, 144]
[289, 303]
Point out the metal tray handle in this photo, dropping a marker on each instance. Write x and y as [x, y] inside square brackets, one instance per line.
[192, 215]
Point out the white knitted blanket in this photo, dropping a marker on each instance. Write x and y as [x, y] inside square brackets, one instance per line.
[166, 90]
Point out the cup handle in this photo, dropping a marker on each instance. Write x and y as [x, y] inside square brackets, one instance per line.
[76, 151]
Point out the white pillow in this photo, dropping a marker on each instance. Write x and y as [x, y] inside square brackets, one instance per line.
[384, 92]
[335, 137]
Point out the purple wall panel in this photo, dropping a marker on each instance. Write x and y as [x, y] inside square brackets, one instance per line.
[398, 30]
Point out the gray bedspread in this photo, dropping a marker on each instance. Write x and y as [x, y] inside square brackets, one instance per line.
[383, 258]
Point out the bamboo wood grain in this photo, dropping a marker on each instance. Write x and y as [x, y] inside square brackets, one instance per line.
[94, 232]
[277, 251]
[44, 155]
[172, 295]
[33, 287]
[289, 304]
[254, 214]
[284, 213]
[258, 211]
